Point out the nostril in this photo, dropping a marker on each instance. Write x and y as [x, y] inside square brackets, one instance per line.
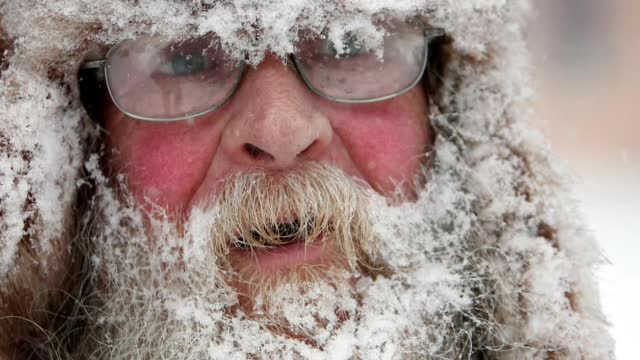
[308, 149]
[257, 153]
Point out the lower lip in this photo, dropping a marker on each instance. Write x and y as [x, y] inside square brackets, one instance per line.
[285, 257]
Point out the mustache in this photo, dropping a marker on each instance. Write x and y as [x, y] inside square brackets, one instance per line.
[258, 210]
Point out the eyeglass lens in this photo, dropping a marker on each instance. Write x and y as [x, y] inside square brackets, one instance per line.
[151, 78]
[360, 73]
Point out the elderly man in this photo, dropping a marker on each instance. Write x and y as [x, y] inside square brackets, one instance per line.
[241, 179]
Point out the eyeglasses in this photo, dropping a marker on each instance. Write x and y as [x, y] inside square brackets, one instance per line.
[153, 79]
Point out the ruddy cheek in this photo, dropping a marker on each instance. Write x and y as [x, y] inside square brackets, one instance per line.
[392, 155]
[164, 163]
[387, 142]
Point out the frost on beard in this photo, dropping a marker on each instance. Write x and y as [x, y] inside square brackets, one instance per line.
[178, 286]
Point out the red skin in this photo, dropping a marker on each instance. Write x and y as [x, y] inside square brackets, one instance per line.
[180, 164]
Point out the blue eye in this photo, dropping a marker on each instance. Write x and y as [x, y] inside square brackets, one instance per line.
[188, 64]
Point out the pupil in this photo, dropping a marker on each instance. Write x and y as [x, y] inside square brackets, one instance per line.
[188, 64]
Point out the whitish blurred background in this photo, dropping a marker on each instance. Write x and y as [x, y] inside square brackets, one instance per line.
[586, 58]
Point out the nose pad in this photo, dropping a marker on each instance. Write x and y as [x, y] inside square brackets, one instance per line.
[275, 123]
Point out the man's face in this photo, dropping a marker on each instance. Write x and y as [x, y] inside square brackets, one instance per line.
[275, 124]
[268, 217]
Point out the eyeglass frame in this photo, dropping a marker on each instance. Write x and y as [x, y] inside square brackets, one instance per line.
[429, 35]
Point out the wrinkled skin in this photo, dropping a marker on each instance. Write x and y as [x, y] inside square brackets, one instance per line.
[273, 122]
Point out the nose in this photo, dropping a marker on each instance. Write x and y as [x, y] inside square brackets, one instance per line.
[274, 124]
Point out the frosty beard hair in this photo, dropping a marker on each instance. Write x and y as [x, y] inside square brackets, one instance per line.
[319, 206]
[148, 266]
[167, 290]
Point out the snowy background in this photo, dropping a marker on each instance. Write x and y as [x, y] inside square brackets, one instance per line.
[585, 57]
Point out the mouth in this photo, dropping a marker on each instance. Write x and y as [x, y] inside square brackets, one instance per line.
[278, 235]
[280, 248]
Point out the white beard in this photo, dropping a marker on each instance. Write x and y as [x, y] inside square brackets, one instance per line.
[173, 299]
